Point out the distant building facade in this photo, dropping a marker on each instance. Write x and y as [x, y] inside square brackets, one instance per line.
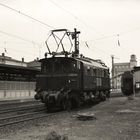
[119, 68]
[34, 64]
[10, 61]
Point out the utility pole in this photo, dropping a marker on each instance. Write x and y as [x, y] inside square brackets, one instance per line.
[112, 71]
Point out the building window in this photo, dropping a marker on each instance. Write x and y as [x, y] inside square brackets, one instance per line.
[137, 85]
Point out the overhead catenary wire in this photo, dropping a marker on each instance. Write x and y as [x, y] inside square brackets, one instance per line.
[26, 15]
[74, 16]
[43, 23]
[18, 37]
[99, 50]
[91, 48]
[103, 36]
[9, 50]
[115, 35]
[77, 18]
[21, 38]
[32, 42]
[94, 49]
[18, 42]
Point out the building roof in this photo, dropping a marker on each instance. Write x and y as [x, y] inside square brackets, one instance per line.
[121, 64]
[118, 75]
[4, 67]
[9, 58]
[84, 60]
[137, 68]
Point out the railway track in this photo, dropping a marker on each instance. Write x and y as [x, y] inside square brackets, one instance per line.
[20, 108]
[113, 95]
[13, 113]
[13, 120]
[16, 108]
[17, 119]
[12, 103]
[25, 113]
[21, 118]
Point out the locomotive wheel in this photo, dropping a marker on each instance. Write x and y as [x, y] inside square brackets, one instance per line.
[102, 96]
[48, 107]
[63, 105]
[75, 103]
[68, 105]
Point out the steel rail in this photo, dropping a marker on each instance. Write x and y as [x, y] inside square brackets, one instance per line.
[13, 109]
[28, 119]
[14, 102]
[21, 115]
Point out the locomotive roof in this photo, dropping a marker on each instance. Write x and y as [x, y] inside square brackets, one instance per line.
[84, 60]
[93, 63]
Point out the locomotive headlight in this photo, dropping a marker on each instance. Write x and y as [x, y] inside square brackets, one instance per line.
[92, 96]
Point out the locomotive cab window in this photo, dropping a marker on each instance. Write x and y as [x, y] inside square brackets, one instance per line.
[59, 66]
[88, 70]
[47, 67]
[137, 85]
[69, 66]
[94, 72]
[98, 73]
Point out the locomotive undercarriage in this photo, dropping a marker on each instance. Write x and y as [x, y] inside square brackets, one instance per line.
[68, 99]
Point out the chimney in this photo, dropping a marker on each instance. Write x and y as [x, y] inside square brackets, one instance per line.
[133, 61]
[22, 59]
[3, 58]
[45, 55]
[3, 55]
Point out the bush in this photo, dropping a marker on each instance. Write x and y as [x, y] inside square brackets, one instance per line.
[54, 136]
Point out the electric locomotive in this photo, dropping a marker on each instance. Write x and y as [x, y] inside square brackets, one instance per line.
[68, 79]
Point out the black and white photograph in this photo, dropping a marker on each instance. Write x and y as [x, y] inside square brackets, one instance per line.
[69, 70]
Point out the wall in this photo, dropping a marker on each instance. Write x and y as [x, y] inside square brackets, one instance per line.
[16, 89]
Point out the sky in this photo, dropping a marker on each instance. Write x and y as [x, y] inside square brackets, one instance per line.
[25, 26]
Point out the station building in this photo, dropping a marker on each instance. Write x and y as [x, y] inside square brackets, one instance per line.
[17, 78]
[10, 61]
[34, 64]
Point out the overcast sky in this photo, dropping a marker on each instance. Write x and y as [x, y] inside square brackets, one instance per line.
[100, 21]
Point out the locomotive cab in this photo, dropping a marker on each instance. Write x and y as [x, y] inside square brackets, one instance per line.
[58, 73]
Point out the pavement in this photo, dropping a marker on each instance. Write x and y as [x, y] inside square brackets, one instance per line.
[116, 119]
